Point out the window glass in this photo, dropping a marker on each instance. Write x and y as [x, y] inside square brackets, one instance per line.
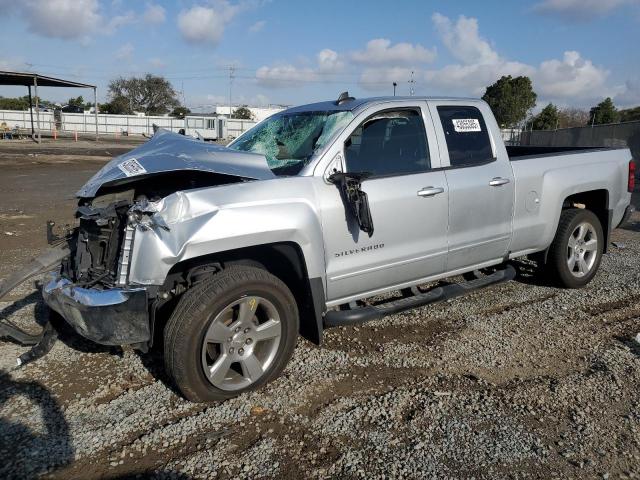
[389, 143]
[290, 140]
[467, 136]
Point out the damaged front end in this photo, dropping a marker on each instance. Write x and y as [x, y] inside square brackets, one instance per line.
[91, 288]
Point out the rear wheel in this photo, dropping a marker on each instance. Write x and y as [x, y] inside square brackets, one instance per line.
[576, 251]
[230, 334]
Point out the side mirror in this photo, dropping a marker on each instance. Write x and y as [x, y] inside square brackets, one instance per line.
[335, 166]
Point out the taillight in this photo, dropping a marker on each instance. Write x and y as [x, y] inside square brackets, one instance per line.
[632, 175]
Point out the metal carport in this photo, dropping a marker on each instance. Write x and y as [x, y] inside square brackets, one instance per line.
[29, 79]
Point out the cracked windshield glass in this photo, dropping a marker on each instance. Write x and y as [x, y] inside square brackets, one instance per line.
[290, 141]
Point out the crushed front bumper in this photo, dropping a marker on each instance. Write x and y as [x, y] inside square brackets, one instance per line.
[116, 316]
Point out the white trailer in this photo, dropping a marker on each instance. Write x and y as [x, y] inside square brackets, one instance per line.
[206, 128]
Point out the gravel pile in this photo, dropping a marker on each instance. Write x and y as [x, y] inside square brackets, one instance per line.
[522, 380]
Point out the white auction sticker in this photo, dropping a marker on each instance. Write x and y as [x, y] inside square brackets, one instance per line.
[131, 167]
[466, 125]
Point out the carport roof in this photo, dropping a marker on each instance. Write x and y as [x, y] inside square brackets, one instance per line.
[26, 79]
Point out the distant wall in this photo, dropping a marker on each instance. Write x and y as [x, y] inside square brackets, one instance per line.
[107, 124]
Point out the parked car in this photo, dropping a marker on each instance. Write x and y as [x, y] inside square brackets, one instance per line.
[72, 109]
[225, 255]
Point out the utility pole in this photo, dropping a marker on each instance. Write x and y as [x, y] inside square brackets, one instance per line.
[412, 82]
[232, 75]
[394, 88]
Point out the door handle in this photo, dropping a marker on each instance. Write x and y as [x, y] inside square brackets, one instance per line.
[430, 191]
[497, 181]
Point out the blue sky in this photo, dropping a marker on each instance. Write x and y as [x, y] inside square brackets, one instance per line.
[291, 52]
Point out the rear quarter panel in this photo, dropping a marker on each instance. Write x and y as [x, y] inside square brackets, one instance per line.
[551, 179]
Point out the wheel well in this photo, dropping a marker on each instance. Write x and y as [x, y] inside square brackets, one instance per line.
[285, 260]
[598, 202]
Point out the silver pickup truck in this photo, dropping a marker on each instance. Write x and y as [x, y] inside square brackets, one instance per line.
[224, 255]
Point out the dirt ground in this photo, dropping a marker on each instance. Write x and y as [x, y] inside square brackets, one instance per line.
[521, 381]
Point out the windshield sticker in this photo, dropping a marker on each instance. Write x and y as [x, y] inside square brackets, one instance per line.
[132, 167]
[466, 125]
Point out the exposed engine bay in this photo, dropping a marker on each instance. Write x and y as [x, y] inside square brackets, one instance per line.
[106, 224]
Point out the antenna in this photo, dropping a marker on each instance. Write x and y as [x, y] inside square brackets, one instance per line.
[343, 98]
[412, 82]
[232, 75]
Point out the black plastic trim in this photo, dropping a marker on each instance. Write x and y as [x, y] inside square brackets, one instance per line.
[356, 316]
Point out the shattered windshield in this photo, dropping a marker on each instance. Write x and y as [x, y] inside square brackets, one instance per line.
[290, 140]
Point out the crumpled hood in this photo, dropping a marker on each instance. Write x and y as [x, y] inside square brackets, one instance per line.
[167, 151]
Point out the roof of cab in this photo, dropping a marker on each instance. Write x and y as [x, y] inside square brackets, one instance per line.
[359, 103]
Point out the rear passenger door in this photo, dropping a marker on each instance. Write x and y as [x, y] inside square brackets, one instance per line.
[481, 183]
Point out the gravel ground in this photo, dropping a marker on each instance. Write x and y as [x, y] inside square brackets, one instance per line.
[520, 381]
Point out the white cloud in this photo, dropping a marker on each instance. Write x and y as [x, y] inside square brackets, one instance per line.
[379, 51]
[205, 24]
[119, 21]
[66, 19]
[580, 10]
[257, 27]
[572, 76]
[154, 14]
[125, 52]
[329, 61]
[628, 95]
[463, 40]
[286, 75]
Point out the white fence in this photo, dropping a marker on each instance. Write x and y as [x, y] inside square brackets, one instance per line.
[107, 124]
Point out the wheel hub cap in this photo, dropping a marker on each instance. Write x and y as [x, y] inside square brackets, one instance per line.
[582, 249]
[241, 343]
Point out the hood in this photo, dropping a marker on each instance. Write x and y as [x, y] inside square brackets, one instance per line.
[166, 152]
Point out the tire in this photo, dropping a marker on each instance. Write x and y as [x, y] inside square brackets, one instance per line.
[575, 266]
[247, 299]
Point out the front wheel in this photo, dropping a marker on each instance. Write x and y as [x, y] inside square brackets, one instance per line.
[230, 334]
[576, 250]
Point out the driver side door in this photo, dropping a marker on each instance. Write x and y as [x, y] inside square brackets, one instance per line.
[408, 201]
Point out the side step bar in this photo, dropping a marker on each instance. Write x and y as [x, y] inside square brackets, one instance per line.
[356, 316]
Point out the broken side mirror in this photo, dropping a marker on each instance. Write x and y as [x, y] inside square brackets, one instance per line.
[354, 198]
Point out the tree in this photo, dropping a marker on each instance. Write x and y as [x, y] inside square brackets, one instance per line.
[22, 103]
[151, 94]
[604, 112]
[547, 119]
[180, 112]
[243, 113]
[117, 106]
[76, 102]
[510, 99]
[630, 114]
[572, 117]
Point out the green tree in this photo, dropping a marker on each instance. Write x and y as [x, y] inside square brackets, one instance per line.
[151, 94]
[510, 99]
[243, 113]
[21, 103]
[180, 112]
[547, 119]
[117, 106]
[76, 102]
[630, 114]
[604, 112]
